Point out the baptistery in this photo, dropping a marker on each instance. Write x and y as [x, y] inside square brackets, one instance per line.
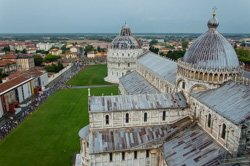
[122, 54]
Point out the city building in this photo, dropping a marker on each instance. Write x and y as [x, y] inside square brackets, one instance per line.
[7, 66]
[122, 55]
[56, 51]
[19, 87]
[193, 112]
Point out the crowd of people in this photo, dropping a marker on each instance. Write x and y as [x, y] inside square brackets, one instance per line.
[12, 121]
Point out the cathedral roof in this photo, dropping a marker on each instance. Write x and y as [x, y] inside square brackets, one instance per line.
[121, 139]
[134, 83]
[211, 50]
[125, 40]
[161, 67]
[192, 146]
[231, 101]
[136, 102]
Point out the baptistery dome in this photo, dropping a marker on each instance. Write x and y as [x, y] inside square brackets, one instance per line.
[211, 50]
[125, 40]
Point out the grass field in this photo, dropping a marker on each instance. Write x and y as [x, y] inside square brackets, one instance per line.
[49, 137]
[90, 75]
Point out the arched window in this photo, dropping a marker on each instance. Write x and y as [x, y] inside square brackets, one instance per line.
[123, 155]
[183, 85]
[164, 115]
[127, 118]
[145, 117]
[223, 132]
[209, 121]
[128, 54]
[107, 119]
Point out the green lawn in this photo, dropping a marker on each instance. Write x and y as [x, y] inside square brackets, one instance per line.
[49, 137]
[90, 75]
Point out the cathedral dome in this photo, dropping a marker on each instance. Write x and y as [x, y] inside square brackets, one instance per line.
[125, 40]
[211, 50]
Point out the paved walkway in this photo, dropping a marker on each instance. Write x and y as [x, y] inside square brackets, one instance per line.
[92, 86]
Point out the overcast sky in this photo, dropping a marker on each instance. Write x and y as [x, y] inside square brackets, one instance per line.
[102, 16]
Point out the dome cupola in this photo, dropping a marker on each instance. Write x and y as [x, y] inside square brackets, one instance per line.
[125, 40]
[211, 50]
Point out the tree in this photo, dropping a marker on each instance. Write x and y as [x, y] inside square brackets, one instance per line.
[24, 51]
[38, 60]
[175, 54]
[54, 68]
[51, 58]
[6, 49]
[153, 42]
[64, 49]
[154, 50]
[244, 55]
[88, 49]
[184, 45]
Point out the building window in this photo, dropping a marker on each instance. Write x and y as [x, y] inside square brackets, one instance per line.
[209, 120]
[147, 153]
[223, 133]
[127, 118]
[118, 64]
[122, 54]
[128, 54]
[123, 155]
[164, 115]
[145, 117]
[183, 85]
[135, 154]
[128, 64]
[107, 119]
[110, 157]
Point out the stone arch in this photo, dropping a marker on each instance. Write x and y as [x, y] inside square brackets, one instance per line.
[197, 88]
[210, 77]
[196, 75]
[221, 77]
[216, 77]
[180, 83]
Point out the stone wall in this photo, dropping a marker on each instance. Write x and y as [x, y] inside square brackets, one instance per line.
[213, 124]
[117, 119]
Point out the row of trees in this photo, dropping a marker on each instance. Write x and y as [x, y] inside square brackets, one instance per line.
[244, 55]
[48, 59]
[54, 68]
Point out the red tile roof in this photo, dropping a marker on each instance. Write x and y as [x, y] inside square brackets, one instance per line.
[9, 85]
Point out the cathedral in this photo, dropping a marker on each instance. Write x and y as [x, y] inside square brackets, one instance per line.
[190, 112]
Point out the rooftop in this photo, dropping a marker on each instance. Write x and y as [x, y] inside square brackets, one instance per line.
[162, 67]
[134, 83]
[136, 102]
[132, 138]
[211, 50]
[192, 147]
[231, 101]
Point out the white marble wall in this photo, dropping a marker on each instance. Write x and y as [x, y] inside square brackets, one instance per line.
[103, 159]
[233, 132]
[117, 119]
[119, 62]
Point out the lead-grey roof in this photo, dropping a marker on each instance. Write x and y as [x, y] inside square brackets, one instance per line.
[192, 147]
[84, 132]
[162, 67]
[134, 83]
[212, 50]
[231, 101]
[136, 102]
[122, 139]
[246, 74]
